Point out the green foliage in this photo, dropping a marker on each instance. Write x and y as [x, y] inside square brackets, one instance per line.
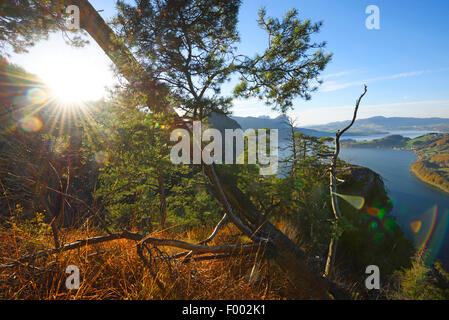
[309, 197]
[421, 282]
[300, 197]
[192, 206]
[289, 64]
[186, 45]
[137, 145]
[190, 46]
[33, 228]
[35, 225]
[25, 22]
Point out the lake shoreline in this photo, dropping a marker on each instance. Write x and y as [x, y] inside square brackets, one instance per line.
[427, 148]
[421, 178]
[413, 199]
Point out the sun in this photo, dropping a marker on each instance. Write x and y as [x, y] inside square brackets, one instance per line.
[69, 91]
[72, 80]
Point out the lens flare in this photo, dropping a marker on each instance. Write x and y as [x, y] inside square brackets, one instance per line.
[36, 96]
[30, 124]
[416, 226]
[437, 239]
[429, 220]
[382, 213]
[376, 212]
[102, 157]
[373, 212]
[431, 236]
[355, 201]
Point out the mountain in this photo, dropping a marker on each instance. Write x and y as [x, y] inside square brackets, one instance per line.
[383, 125]
[221, 122]
[374, 125]
[265, 122]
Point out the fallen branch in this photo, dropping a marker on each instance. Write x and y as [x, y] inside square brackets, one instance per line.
[74, 245]
[211, 257]
[196, 248]
[217, 228]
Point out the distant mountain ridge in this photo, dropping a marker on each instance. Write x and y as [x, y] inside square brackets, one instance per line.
[265, 122]
[383, 125]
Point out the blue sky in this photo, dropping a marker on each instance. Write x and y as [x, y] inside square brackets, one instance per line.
[405, 63]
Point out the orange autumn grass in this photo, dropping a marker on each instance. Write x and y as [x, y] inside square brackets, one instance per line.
[113, 270]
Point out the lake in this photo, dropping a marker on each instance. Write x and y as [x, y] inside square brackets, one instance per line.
[421, 210]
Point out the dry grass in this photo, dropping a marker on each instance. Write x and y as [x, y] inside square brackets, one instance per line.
[113, 270]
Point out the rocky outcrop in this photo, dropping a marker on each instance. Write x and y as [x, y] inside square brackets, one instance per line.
[371, 234]
[363, 182]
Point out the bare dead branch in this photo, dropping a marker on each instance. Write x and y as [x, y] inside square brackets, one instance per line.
[217, 228]
[198, 248]
[209, 257]
[333, 186]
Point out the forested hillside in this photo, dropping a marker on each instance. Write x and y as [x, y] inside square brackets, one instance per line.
[433, 159]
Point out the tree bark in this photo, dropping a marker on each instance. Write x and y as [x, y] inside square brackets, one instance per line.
[291, 258]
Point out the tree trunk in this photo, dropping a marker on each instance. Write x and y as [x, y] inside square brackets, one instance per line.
[295, 156]
[335, 209]
[284, 251]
